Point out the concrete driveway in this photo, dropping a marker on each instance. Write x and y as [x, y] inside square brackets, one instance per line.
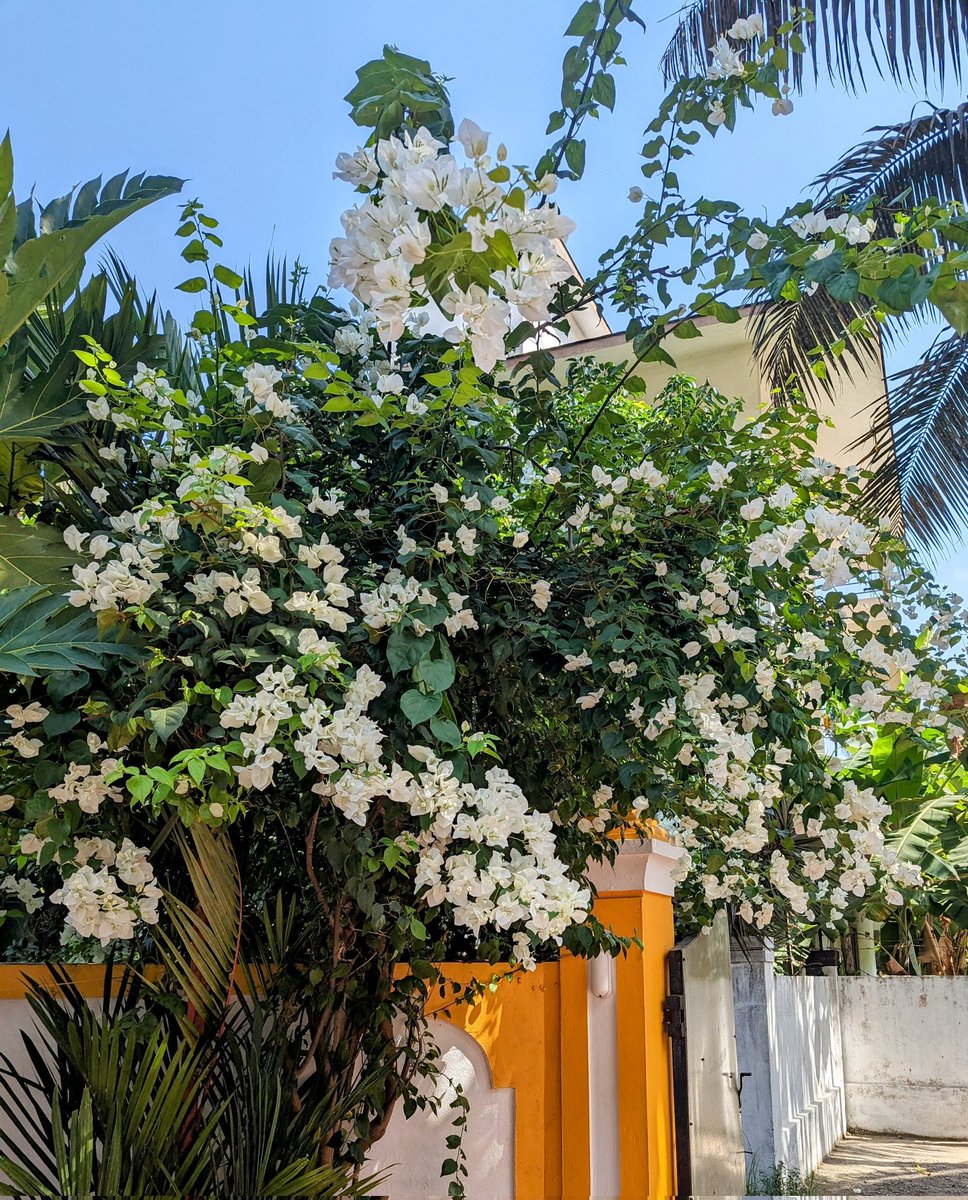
[881, 1165]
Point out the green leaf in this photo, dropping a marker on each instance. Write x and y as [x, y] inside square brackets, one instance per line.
[204, 321]
[419, 706]
[904, 291]
[575, 156]
[438, 673]
[47, 403]
[446, 732]
[953, 303]
[843, 286]
[228, 277]
[584, 20]
[40, 633]
[165, 721]
[54, 259]
[32, 554]
[603, 90]
[195, 252]
[686, 329]
[139, 787]
[196, 284]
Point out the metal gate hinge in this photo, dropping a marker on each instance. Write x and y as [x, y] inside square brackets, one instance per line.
[674, 1016]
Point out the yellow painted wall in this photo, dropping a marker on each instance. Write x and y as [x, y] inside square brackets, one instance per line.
[534, 1030]
[519, 1027]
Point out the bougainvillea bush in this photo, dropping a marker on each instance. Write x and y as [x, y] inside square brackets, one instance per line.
[418, 631]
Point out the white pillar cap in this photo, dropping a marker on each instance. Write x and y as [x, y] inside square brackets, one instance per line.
[642, 865]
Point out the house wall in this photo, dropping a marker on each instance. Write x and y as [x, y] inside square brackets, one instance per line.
[723, 357]
[871, 1053]
[566, 1067]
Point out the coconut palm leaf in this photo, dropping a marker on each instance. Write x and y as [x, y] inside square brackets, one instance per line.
[912, 40]
[918, 159]
[790, 338]
[923, 158]
[927, 468]
[916, 445]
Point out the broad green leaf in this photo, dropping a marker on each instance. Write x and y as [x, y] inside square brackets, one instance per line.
[165, 721]
[843, 286]
[603, 90]
[953, 303]
[230, 278]
[419, 706]
[47, 403]
[446, 731]
[41, 633]
[575, 156]
[584, 20]
[437, 673]
[43, 263]
[33, 554]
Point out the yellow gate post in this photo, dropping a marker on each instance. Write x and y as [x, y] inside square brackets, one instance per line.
[631, 1139]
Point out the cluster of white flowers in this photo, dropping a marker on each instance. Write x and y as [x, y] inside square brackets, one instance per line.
[97, 905]
[390, 233]
[522, 881]
[87, 786]
[19, 716]
[735, 776]
[827, 229]
[110, 583]
[23, 891]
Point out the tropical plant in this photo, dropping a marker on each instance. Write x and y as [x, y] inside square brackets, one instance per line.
[44, 313]
[43, 253]
[921, 777]
[181, 1086]
[917, 443]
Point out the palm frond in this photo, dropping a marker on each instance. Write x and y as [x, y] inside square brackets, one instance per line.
[910, 40]
[928, 420]
[202, 953]
[917, 159]
[103, 1107]
[923, 158]
[785, 333]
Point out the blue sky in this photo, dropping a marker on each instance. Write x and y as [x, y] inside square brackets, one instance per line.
[244, 99]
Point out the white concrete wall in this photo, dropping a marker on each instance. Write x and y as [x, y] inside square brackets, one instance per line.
[808, 1088]
[906, 1055]
[788, 1038]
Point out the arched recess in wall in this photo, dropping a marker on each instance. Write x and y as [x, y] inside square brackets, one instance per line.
[414, 1149]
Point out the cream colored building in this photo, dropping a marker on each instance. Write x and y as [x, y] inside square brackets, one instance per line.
[723, 357]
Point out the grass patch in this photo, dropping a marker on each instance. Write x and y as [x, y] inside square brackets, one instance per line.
[779, 1180]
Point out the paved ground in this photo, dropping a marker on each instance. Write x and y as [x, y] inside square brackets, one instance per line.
[877, 1165]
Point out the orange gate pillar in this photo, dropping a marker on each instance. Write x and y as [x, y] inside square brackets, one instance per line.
[630, 1102]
